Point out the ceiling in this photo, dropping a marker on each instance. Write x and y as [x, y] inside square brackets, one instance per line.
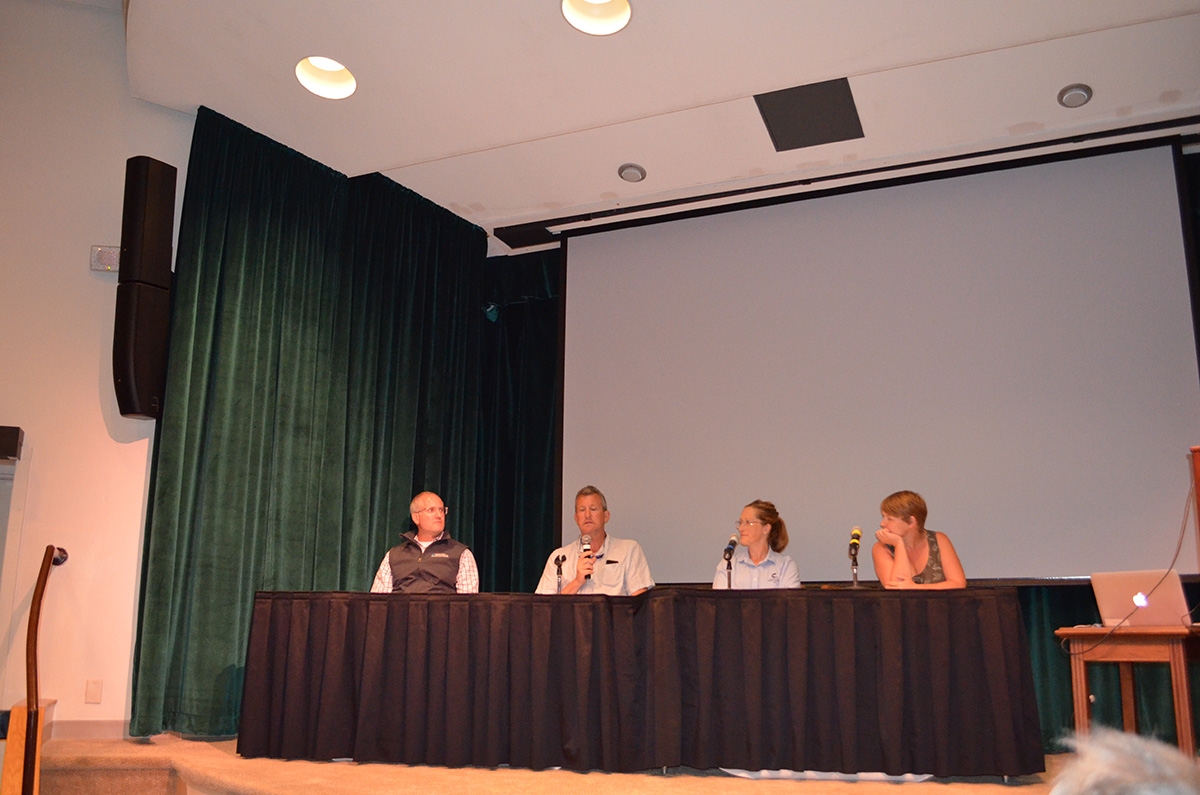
[504, 114]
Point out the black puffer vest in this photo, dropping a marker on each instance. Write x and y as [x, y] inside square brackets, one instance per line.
[432, 570]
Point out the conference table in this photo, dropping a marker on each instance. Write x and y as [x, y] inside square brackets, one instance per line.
[837, 679]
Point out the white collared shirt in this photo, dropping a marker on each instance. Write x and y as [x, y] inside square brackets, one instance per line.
[621, 568]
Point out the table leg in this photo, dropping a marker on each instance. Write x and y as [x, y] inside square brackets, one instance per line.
[1183, 700]
[1128, 698]
[1079, 688]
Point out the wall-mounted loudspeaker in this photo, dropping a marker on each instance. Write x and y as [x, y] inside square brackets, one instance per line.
[11, 441]
[143, 315]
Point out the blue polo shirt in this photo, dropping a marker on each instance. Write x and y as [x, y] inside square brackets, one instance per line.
[776, 571]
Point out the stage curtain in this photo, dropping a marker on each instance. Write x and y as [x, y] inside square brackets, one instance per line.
[519, 471]
[324, 366]
[413, 362]
[1187, 177]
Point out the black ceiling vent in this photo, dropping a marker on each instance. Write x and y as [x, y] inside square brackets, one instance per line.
[818, 113]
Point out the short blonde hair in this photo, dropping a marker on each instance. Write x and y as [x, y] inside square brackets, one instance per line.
[905, 505]
[589, 490]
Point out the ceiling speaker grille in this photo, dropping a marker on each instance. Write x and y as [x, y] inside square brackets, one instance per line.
[811, 115]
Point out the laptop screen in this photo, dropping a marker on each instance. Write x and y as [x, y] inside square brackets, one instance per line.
[1152, 598]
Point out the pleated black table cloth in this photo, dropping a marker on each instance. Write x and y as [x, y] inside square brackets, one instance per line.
[832, 680]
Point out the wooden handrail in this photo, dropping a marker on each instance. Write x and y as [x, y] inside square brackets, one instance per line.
[1196, 496]
[54, 556]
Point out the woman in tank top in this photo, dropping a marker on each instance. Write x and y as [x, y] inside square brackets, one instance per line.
[906, 555]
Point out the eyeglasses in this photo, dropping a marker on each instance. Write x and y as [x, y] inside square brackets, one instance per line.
[740, 523]
[434, 510]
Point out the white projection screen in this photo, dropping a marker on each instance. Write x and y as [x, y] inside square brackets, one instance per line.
[1016, 346]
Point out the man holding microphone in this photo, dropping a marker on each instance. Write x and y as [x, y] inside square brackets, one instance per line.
[596, 563]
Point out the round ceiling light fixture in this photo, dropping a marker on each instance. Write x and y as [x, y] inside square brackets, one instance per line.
[325, 77]
[631, 172]
[1075, 95]
[597, 17]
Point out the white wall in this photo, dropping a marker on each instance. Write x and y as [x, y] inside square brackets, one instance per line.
[67, 125]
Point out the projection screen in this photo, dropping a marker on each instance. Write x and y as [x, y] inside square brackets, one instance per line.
[1016, 346]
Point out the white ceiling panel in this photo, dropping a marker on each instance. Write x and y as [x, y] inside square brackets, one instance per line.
[504, 114]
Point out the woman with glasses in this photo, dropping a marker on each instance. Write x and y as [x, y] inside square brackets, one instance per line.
[758, 561]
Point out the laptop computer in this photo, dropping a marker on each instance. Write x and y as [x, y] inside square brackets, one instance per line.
[1151, 598]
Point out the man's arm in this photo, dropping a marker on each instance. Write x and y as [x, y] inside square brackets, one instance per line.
[637, 571]
[585, 565]
[383, 578]
[575, 572]
[468, 574]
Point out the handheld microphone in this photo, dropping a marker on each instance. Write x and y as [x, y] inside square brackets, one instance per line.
[855, 540]
[732, 545]
[586, 541]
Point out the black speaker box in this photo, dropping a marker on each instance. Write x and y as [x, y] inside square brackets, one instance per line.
[11, 440]
[143, 288]
[147, 222]
[140, 348]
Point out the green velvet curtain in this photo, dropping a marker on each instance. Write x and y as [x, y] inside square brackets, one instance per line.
[327, 361]
[1187, 177]
[519, 477]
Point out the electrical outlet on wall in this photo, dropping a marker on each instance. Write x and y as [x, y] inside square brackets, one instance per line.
[92, 690]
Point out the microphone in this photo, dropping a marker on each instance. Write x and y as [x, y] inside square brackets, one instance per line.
[732, 545]
[855, 540]
[586, 541]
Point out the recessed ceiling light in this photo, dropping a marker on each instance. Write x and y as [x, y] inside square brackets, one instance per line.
[325, 77]
[597, 17]
[631, 172]
[1075, 95]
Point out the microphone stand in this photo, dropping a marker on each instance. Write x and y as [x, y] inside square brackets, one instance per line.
[558, 562]
[855, 536]
[728, 569]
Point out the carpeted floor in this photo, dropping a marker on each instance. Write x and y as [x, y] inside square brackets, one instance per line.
[170, 765]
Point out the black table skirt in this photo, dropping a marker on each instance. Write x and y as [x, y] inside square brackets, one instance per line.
[832, 680]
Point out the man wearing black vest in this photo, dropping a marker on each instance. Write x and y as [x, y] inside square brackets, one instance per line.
[429, 560]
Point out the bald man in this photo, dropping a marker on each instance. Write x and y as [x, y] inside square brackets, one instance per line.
[427, 560]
